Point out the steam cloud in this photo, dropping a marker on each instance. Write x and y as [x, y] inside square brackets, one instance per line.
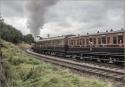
[36, 11]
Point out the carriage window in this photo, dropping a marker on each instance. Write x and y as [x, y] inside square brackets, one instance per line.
[94, 40]
[99, 40]
[70, 43]
[87, 41]
[120, 39]
[83, 41]
[90, 39]
[77, 42]
[74, 42]
[108, 40]
[80, 42]
[103, 40]
[114, 40]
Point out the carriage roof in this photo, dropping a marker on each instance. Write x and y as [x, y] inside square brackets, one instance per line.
[100, 33]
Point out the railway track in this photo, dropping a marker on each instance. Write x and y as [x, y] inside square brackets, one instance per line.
[116, 74]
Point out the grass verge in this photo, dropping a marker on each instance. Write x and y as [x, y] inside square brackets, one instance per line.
[25, 71]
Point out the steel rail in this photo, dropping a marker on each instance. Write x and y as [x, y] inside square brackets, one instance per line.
[112, 73]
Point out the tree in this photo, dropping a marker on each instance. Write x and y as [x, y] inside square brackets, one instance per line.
[28, 38]
[9, 33]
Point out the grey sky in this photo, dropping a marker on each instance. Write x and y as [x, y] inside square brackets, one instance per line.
[68, 16]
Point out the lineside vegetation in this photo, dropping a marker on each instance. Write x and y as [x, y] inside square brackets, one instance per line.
[25, 71]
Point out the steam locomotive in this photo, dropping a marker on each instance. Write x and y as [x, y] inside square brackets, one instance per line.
[107, 47]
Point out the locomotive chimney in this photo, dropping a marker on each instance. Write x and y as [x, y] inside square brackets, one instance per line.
[111, 30]
[106, 30]
[97, 31]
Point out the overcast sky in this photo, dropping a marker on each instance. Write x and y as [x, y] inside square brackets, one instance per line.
[68, 16]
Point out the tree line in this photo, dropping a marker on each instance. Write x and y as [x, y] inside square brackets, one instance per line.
[11, 34]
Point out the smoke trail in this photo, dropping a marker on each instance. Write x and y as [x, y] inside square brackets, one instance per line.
[36, 11]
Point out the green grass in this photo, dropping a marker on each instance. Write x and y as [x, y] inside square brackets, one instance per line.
[25, 71]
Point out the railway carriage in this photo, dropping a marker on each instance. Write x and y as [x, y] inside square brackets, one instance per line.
[52, 46]
[101, 47]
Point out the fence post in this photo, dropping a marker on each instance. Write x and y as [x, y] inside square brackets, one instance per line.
[3, 79]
